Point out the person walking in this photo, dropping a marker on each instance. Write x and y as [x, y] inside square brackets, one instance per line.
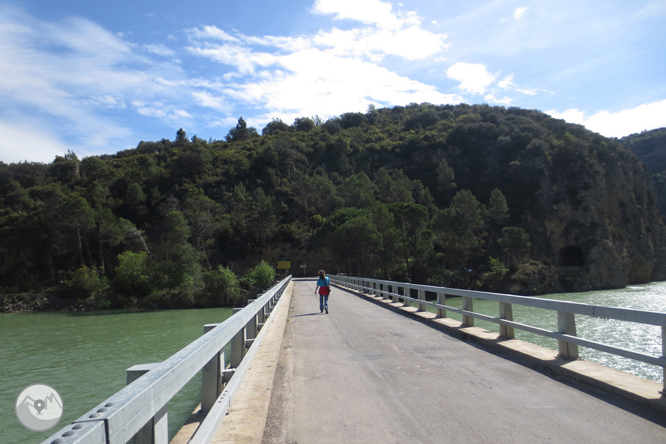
[324, 287]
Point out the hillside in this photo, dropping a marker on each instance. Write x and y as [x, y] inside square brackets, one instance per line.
[650, 148]
[470, 196]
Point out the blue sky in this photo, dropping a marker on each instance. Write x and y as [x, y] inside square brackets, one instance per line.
[98, 76]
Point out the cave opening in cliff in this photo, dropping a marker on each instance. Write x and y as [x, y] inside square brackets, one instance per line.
[572, 256]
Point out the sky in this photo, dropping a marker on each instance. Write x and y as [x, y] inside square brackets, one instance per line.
[97, 77]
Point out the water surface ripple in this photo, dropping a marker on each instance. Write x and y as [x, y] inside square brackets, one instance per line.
[84, 356]
[628, 335]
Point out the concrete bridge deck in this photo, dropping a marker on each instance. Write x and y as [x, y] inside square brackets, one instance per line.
[366, 374]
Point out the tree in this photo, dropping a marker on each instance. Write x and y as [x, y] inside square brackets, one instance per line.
[415, 239]
[275, 126]
[133, 274]
[181, 136]
[304, 124]
[393, 188]
[206, 219]
[516, 243]
[358, 191]
[445, 176]
[241, 132]
[458, 228]
[497, 207]
[77, 220]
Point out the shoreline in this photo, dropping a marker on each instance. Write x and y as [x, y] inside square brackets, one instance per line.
[49, 300]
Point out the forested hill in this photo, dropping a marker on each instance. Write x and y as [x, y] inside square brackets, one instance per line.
[449, 195]
[650, 148]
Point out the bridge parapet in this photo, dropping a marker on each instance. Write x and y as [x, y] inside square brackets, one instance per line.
[137, 413]
[568, 341]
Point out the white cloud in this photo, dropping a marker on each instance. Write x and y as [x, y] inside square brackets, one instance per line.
[619, 124]
[313, 81]
[208, 100]
[327, 73]
[169, 113]
[23, 141]
[245, 59]
[213, 32]
[519, 12]
[65, 77]
[506, 82]
[372, 12]
[158, 49]
[73, 79]
[492, 99]
[473, 77]
[411, 43]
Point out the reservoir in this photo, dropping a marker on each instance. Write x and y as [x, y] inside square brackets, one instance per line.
[627, 335]
[84, 355]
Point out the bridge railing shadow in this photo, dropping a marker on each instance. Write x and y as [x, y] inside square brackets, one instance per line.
[568, 341]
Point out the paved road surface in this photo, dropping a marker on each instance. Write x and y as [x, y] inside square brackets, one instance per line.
[364, 374]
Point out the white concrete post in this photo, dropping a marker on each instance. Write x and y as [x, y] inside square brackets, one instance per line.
[506, 312]
[468, 305]
[406, 292]
[441, 299]
[237, 346]
[156, 431]
[422, 297]
[384, 287]
[211, 385]
[566, 323]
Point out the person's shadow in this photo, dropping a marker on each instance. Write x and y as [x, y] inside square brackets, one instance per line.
[306, 314]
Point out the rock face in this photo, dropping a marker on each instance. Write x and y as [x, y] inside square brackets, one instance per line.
[650, 148]
[599, 219]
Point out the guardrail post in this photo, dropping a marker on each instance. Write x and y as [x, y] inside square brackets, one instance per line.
[406, 292]
[251, 328]
[211, 384]
[156, 431]
[441, 299]
[468, 305]
[385, 289]
[663, 355]
[237, 346]
[422, 297]
[566, 323]
[261, 316]
[506, 312]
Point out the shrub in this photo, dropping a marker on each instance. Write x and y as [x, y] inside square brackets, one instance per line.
[83, 283]
[221, 288]
[132, 274]
[262, 275]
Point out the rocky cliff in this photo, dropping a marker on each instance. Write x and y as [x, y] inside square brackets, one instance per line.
[597, 219]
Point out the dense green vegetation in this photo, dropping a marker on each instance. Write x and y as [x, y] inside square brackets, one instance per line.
[422, 193]
[650, 148]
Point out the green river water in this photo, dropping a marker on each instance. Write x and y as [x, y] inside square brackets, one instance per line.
[84, 355]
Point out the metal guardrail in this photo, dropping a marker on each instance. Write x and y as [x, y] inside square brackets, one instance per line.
[568, 342]
[137, 413]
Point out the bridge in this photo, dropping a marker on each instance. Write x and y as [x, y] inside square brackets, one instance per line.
[381, 368]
